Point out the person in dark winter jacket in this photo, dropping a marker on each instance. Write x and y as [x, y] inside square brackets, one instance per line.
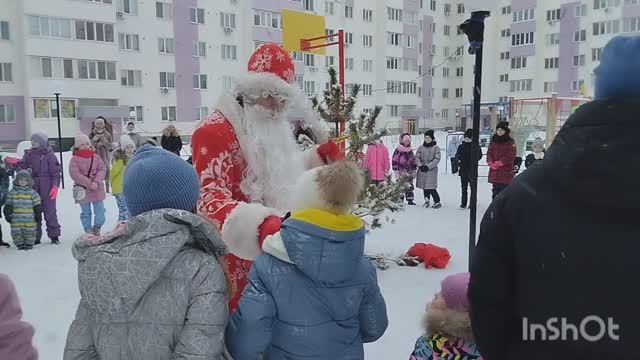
[171, 140]
[465, 160]
[574, 263]
[312, 294]
[403, 162]
[427, 158]
[23, 211]
[45, 172]
[500, 157]
[4, 191]
[537, 154]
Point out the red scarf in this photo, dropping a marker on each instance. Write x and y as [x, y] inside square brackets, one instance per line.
[87, 153]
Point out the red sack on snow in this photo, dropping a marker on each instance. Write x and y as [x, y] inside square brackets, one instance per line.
[431, 255]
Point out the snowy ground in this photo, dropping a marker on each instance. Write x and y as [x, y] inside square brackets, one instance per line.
[46, 276]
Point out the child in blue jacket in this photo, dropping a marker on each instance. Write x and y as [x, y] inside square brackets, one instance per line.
[312, 294]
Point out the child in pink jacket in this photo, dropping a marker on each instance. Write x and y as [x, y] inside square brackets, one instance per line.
[88, 171]
[376, 161]
[15, 334]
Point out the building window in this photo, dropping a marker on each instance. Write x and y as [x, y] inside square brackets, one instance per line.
[329, 7]
[329, 61]
[51, 67]
[348, 64]
[393, 63]
[199, 49]
[367, 65]
[267, 19]
[308, 5]
[550, 87]
[522, 39]
[394, 14]
[394, 110]
[348, 11]
[505, 55]
[47, 109]
[460, 71]
[596, 53]
[165, 45]
[229, 52]
[410, 64]
[367, 41]
[606, 27]
[581, 10]
[129, 41]
[553, 15]
[50, 27]
[551, 63]
[309, 60]
[445, 93]
[164, 10]
[447, 9]
[631, 2]
[410, 41]
[459, 93]
[577, 85]
[505, 33]
[201, 112]
[94, 31]
[447, 30]
[367, 89]
[131, 78]
[579, 60]
[445, 113]
[506, 10]
[4, 31]
[504, 77]
[101, 1]
[394, 38]
[433, 28]
[228, 82]
[410, 17]
[524, 15]
[138, 110]
[228, 20]
[603, 4]
[95, 70]
[200, 82]
[518, 63]
[394, 87]
[631, 24]
[445, 72]
[168, 113]
[552, 39]
[128, 6]
[297, 56]
[168, 79]
[6, 72]
[521, 85]
[580, 35]
[310, 88]
[367, 15]
[348, 38]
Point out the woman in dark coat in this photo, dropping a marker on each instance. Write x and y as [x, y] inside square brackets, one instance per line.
[171, 140]
[500, 157]
[465, 159]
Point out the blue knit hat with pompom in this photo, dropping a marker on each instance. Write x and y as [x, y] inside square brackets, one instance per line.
[618, 75]
[157, 179]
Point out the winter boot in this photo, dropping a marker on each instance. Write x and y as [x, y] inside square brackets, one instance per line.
[96, 231]
[4, 244]
[55, 240]
[411, 203]
[37, 242]
[463, 207]
[436, 206]
[21, 247]
[427, 204]
[28, 247]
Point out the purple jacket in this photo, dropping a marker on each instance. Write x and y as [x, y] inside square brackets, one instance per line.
[15, 334]
[79, 167]
[45, 169]
[404, 161]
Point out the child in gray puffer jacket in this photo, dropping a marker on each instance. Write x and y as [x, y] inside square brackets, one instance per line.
[153, 288]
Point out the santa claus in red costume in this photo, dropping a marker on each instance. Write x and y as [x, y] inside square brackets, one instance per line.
[248, 160]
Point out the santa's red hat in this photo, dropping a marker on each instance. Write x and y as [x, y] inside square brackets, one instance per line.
[270, 71]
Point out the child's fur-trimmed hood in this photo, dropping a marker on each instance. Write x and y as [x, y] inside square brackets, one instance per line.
[449, 322]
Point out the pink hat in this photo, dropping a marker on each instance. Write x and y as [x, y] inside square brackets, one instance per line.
[82, 139]
[454, 291]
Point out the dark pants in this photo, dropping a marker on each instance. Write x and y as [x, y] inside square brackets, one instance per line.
[497, 189]
[454, 165]
[465, 182]
[431, 192]
[408, 193]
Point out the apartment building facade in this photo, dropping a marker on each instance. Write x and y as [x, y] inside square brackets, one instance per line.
[169, 61]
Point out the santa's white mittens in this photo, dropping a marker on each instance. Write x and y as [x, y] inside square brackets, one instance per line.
[312, 159]
[241, 228]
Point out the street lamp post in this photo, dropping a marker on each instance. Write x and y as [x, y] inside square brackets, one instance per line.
[60, 139]
[474, 29]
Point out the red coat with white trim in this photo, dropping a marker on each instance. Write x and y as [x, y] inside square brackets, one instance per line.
[219, 162]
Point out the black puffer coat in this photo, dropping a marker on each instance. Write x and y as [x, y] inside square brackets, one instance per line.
[564, 241]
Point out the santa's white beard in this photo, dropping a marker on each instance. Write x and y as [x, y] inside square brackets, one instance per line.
[274, 162]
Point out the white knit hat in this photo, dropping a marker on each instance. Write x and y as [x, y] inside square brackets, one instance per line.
[125, 140]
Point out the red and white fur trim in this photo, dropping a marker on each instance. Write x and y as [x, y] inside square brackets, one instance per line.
[240, 229]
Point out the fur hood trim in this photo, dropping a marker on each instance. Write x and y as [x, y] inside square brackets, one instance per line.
[335, 187]
[450, 322]
[119, 155]
[254, 85]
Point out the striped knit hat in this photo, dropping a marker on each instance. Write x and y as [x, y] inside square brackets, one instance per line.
[157, 179]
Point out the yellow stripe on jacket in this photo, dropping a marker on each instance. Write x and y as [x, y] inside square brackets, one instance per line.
[328, 220]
